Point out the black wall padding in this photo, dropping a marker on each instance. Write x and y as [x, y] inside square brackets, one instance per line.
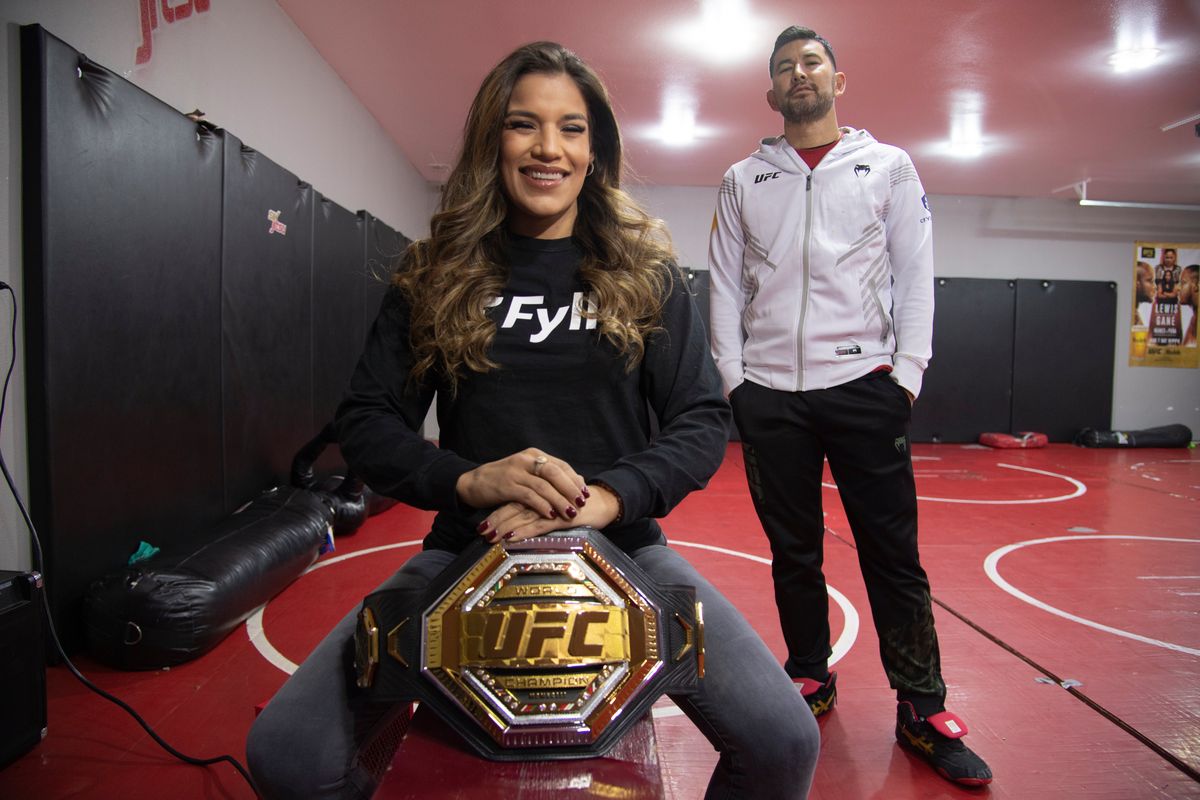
[180, 344]
[700, 285]
[339, 294]
[179, 604]
[122, 251]
[266, 307]
[385, 246]
[967, 387]
[1063, 357]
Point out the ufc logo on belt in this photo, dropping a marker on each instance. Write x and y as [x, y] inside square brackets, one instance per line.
[541, 635]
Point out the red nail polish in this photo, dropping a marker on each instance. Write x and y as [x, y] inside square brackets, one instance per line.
[508, 535]
[553, 514]
[585, 491]
[579, 501]
[571, 513]
[483, 526]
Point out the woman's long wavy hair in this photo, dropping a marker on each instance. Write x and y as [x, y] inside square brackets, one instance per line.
[451, 277]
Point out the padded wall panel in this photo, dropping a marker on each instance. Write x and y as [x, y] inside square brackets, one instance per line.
[339, 254]
[700, 285]
[266, 321]
[384, 248]
[1063, 357]
[339, 281]
[967, 388]
[122, 251]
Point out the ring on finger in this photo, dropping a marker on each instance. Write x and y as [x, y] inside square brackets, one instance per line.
[538, 463]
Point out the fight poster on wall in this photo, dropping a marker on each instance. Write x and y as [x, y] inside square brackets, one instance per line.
[1165, 295]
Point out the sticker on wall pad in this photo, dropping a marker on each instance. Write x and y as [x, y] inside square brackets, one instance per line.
[276, 225]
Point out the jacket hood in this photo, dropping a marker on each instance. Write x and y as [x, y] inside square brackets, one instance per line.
[778, 153]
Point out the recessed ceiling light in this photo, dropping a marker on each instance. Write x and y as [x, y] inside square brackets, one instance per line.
[726, 32]
[1133, 59]
[966, 125]
[964, 149]
[1136, 39]
[678, 127]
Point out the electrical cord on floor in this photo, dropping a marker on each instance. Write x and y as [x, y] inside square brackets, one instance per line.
[38, 562]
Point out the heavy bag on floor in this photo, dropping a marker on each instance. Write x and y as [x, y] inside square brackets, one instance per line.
[178, 604]
[352, 500]
[347, 496]
[1023, 440]
[303, 474]
[1163, 436]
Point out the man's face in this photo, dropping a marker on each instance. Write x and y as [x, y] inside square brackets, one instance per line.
[1189, 288]
[804, 82]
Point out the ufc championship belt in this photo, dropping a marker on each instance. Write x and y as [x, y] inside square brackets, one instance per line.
[547, 648]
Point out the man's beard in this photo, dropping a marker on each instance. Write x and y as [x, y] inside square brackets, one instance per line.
[806, 108]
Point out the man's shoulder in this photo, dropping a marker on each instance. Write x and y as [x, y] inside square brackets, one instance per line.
[755, 160]
[864, 142]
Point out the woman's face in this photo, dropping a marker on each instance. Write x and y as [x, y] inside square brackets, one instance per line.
[545, 150]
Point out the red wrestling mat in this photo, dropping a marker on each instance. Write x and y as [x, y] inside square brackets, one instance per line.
[978, 504]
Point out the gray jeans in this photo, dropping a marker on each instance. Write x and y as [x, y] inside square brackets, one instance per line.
[309, 740]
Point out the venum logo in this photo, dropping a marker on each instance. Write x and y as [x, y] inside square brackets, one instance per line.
[766, 176]
[862, 170]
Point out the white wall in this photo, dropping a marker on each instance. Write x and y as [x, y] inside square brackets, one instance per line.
[253, 73]
[988, 237]
[246, 65]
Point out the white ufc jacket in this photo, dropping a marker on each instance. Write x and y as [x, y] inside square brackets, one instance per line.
[822, 276]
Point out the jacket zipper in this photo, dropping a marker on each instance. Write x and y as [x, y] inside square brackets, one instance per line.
[808, 207]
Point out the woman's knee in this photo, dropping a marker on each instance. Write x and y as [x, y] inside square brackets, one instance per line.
[270, 757]
[788, 753]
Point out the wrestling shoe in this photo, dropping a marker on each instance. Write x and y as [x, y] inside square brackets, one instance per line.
[821, 697]
[938, 740]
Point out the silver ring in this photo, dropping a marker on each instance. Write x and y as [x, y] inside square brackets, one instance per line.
[538, 463]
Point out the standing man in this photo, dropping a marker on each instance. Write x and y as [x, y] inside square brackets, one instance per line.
[822, 321]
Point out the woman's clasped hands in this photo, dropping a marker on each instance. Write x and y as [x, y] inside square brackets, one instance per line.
[532, 493]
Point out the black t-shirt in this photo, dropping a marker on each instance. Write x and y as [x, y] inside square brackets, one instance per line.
[560, 387]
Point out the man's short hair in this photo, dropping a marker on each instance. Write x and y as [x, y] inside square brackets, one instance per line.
[792, 34]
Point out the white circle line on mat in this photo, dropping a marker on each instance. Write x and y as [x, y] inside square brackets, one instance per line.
[990, 567]
[258, 636]
[254, 625]
[1080, 489]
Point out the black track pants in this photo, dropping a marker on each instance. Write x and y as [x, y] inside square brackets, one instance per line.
[862, 429]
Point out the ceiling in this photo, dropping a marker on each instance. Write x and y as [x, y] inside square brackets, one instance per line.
[1025, 84]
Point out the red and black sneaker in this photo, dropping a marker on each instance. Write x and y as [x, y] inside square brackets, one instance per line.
[821, 697]
[938, 740]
